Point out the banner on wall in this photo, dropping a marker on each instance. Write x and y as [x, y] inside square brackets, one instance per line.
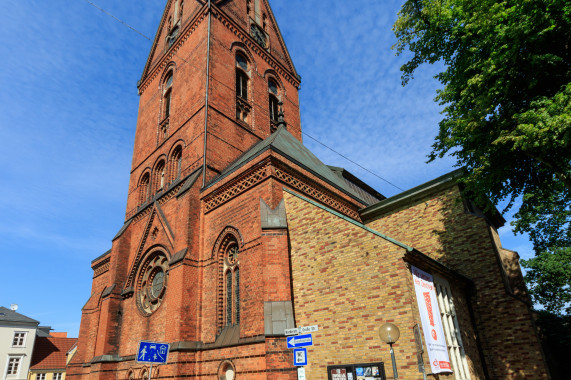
[431, 321]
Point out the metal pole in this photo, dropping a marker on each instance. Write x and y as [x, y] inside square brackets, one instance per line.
[151, 370]
[395, 373]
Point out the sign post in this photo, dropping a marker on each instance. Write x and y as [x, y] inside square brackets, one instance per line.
[153, 353]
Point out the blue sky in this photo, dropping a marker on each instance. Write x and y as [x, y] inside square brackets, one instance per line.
[69, 111]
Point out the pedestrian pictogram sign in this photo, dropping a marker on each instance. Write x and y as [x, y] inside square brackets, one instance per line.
[300, 356]
[153, 352]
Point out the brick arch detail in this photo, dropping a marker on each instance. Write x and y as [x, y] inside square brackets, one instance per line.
[227, 235]
[240, 47]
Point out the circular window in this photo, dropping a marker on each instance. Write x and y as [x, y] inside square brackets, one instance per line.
[152, 283]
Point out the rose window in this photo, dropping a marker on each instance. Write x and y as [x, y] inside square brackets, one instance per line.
[152, 283]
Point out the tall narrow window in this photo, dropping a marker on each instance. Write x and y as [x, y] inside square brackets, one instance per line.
[175, 164]
[228, 298]
[159, 176]
[273, 103]
[242, 105]
[451, 329]
[144, 188]
[237, 295]
[167, 95]
[13, 365]
[232, 283]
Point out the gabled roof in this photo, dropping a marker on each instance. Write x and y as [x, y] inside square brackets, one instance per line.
[50, 352]
[291, 148]
[7, 315]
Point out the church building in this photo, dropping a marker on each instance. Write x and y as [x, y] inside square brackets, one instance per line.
[236, 235]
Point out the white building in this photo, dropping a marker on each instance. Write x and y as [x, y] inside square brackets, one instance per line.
[17, 338]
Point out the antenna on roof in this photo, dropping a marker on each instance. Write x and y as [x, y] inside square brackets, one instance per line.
[13, 307]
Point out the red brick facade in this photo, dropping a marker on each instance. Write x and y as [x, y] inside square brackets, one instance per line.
[217, 258]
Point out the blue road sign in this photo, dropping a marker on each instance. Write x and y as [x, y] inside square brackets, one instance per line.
[300, 356]
[299, 341]
[153, 352]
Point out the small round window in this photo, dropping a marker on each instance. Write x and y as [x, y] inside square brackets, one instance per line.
[232, 253]
[152, 283]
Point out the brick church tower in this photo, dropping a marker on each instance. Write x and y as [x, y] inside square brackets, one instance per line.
[202, 259]
[235, 232]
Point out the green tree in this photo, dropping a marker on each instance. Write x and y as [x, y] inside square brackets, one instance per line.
[506, 100]
[549, 279]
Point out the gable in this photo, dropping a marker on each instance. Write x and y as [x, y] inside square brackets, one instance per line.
[179, 14]
[259, 13]
[157, 232]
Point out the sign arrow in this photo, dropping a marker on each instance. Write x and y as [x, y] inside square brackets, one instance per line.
[300, 341]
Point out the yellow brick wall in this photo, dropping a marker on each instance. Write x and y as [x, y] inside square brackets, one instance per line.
[349, 282]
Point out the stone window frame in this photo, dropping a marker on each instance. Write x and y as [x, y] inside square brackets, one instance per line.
[451, 328]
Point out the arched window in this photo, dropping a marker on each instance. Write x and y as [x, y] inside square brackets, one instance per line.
[242, 80]
[227, 249]
[175, 164]
[144, 188]
[159, 176]
[167, 95]
[273, 104]
[232, 281]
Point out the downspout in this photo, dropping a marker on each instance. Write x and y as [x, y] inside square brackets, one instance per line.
[206, 97]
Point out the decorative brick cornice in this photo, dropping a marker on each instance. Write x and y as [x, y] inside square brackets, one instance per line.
[299, 182]
[249, 179]
[101, 267]
[274, 168]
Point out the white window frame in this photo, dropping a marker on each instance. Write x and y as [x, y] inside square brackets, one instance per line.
[40, 376]
[451, 329]
[58, 376]
[19, 368]
[25, 335]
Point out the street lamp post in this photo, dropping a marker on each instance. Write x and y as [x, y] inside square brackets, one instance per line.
[390, 333]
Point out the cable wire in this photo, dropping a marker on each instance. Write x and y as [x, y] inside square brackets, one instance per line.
[313, 138]
[121, 21]
[350, 160]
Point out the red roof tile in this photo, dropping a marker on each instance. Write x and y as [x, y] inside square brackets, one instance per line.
[50, 352]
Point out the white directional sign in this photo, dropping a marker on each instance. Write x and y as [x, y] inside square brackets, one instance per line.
[301, 330]
[308, 329]
[300, 341]
[301, 373]
[291, 331]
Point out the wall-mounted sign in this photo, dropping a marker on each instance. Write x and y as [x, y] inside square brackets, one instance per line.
[300, 341]
[300, 356]
[365, 371]
[431, 321]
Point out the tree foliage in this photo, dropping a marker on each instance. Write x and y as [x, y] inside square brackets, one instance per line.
[549, 279]
[506, 101]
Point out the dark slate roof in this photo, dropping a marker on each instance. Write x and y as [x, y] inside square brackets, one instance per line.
[283, 142]
[7, 315]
